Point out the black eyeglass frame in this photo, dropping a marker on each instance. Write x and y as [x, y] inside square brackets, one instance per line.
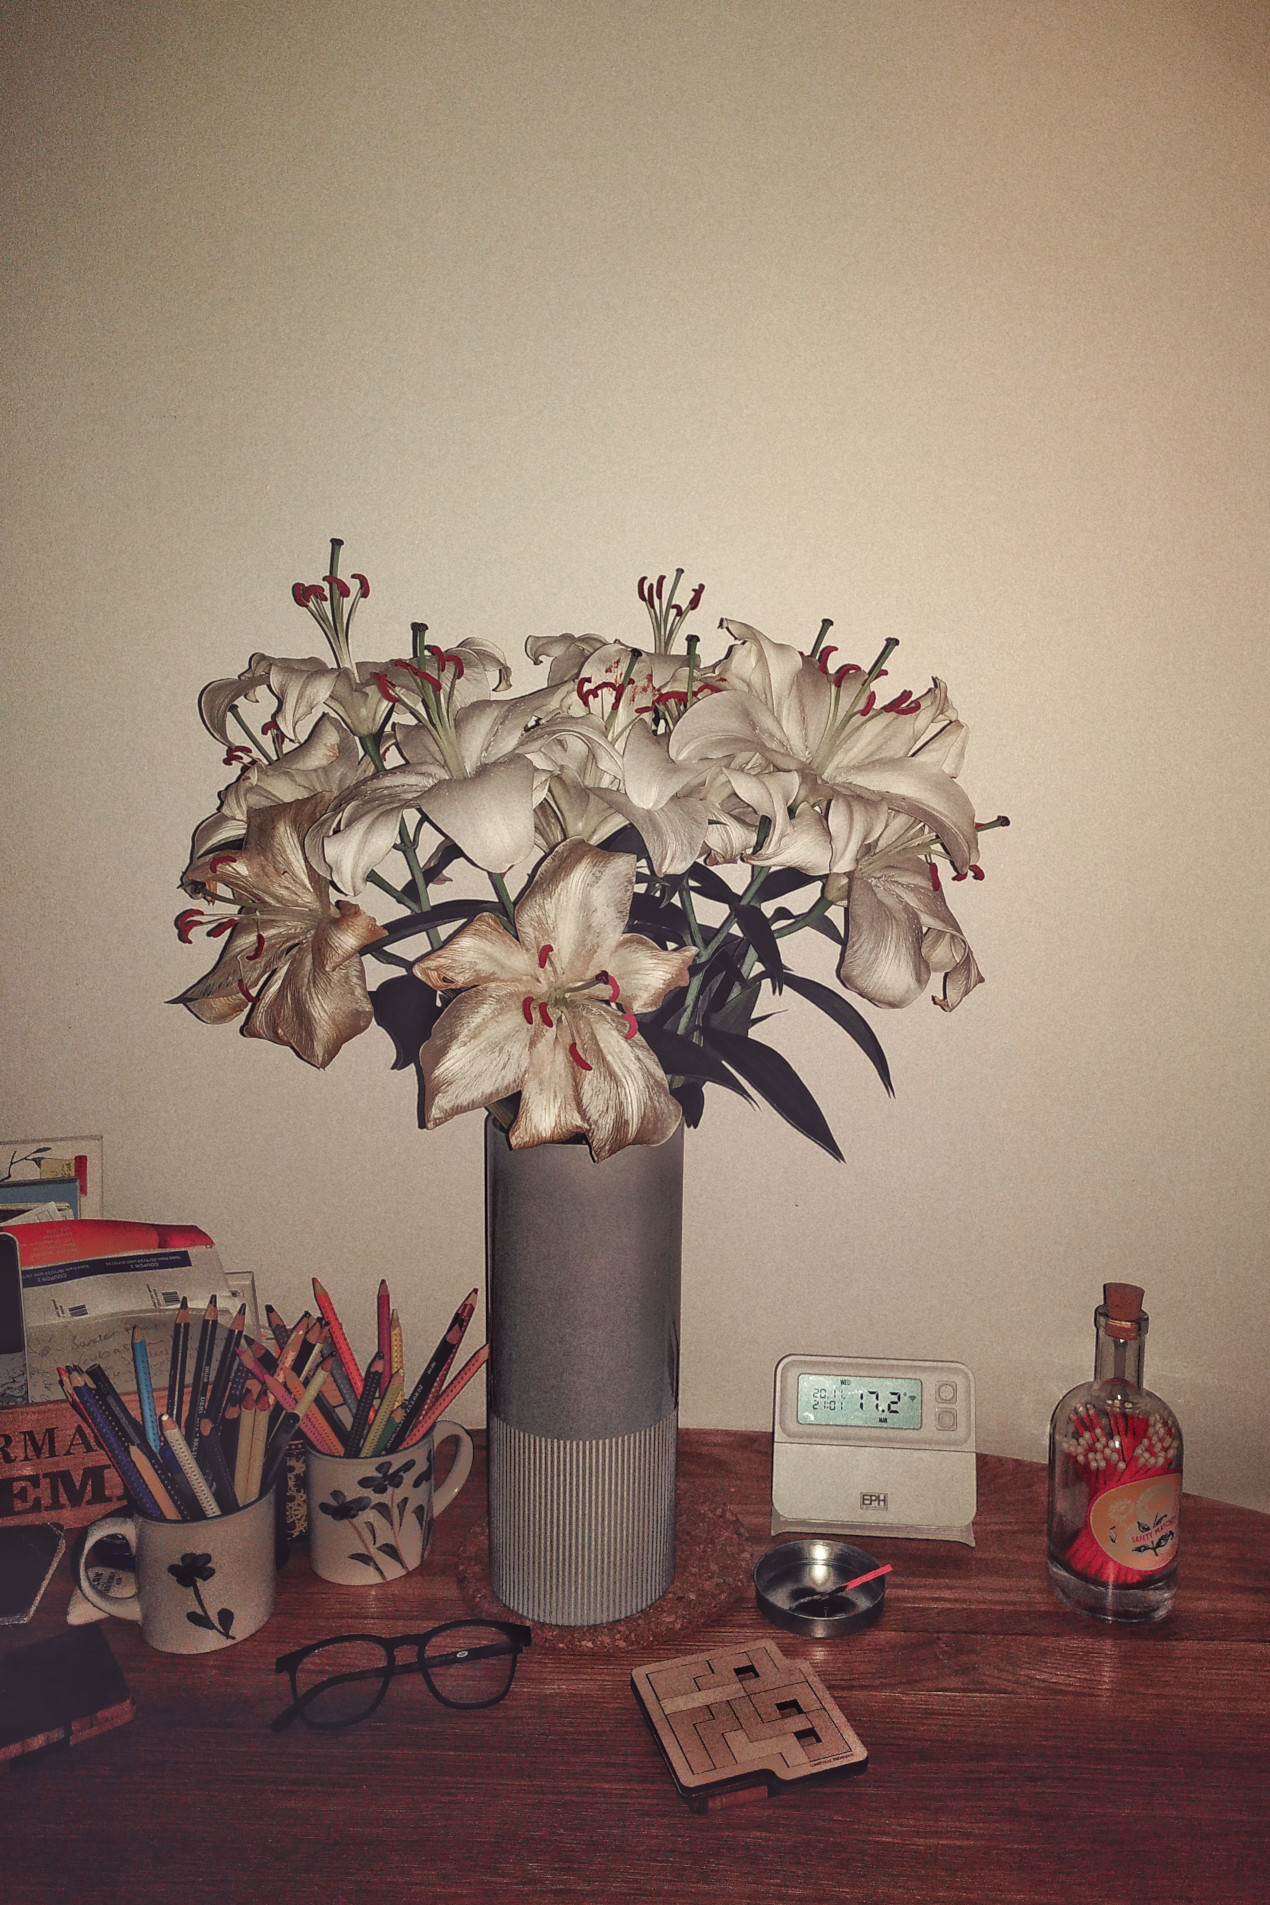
[513, 1631]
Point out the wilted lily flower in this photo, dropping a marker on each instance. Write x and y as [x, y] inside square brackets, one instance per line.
[291, 961]
[900, 928]
[551, 1013]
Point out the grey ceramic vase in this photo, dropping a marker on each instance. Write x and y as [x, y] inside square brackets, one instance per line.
[582, 1292]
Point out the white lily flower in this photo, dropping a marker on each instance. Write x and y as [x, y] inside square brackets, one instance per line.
[551, 1013]
[476, 773]
[782, 711]
[328, 762]
[900, 928]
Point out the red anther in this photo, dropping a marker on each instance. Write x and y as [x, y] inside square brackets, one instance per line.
[401, 662]
[661, 583]
[221, 927]
[218, 860]
[431, 680]
[527, 1007]
[631, 1027]
[300, 594]
[456, 662]
[235, 756]
[544, 955]
[259, 946]
[337, 582]
[897, 706]
[643, 584]
[977, 873]
[672, 694]
[880, 673]
[544, 1015]
[934, 876]
[615, 991]
[822, 660]
[186, 922]
[381, 682]
[271, 727]
[578, 1059]
[362, 584]
[694, 600]
[868, 706]
[959, 876]
[247, 993]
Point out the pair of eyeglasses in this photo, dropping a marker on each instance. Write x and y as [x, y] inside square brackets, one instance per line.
[340, 1681]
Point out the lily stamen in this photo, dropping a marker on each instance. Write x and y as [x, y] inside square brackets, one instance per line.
[578, 1059]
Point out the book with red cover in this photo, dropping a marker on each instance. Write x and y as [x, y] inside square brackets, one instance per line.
[60, 1692]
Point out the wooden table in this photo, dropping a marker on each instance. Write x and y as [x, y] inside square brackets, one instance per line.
[1017, 1751]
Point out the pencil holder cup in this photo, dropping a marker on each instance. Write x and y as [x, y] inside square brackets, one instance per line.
[371, 1516]
[200, 1585]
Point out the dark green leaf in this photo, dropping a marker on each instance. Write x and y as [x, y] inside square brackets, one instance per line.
[627, 839]
[785, 880]
[692, 1101]
[654, 916]
[843, 1013]
[447, 915]
[684, 1058]
[754, 924]
[225, 1619]
[201, 1620]
[737, 1012]
[407, 1010]
[708, 883]
[775, 1079]
[824, 925]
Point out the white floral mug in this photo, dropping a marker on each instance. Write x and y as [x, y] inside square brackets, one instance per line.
[371, 1516]
[200, 1585]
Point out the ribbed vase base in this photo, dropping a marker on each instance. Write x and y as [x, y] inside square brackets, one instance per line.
[581, 1531]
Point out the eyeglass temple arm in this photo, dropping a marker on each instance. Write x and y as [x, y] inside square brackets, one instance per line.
[310, 1694]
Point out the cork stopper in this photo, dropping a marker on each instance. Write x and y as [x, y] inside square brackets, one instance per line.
[1123, 1304]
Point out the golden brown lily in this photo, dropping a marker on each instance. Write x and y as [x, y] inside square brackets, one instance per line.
[291, 961]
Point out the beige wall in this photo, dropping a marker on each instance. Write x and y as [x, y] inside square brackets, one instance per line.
[948, 320]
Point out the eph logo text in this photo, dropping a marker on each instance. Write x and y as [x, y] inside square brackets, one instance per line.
[872, 1499]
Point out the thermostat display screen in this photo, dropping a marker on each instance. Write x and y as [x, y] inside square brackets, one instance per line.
[859, 1402]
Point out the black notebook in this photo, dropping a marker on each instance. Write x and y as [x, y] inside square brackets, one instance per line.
[60, 1691]
[28, 1557]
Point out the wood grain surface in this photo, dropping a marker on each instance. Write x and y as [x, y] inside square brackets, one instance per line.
[1017, 1752]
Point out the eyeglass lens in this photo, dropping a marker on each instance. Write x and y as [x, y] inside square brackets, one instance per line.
[344, 1679]
[469, 1665]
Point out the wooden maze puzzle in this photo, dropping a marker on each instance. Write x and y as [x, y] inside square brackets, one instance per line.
[731, 1724]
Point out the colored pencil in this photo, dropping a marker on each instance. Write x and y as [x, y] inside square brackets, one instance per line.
[200, 1380]
[277, 1328]
[343, 1349]
[258, 1448]
[176, 1362]
[382, 1422]
[436, 1369]
[366, 1402]
[219, 1392]
[145, 1391]
[189, 1467]
[80, 1395]
[435, 1410]
[397, 1342]
[211, 1459]
[246, 1435]
[383, 1314]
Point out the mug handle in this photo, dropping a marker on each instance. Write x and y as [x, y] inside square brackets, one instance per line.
[126, 1606]
[460, 1467]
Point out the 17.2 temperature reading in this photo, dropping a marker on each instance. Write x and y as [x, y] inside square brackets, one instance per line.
[859, 1402]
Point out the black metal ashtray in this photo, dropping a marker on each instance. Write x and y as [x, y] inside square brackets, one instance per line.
[802, 1586]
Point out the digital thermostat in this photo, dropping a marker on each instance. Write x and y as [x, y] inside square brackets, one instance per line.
[874, 1446]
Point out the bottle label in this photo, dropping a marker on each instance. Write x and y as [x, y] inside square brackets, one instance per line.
[1135, 1525]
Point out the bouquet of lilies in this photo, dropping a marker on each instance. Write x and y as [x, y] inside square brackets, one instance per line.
[629, 971]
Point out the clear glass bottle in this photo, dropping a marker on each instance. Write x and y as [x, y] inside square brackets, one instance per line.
[1115, 1478]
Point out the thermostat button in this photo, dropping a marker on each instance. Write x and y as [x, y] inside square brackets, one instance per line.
[945, 1418]
[946, 1392]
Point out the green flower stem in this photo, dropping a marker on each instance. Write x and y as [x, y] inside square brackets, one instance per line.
[393, 892]
[707, 952]
[730, 920]
[259, 747]
[819, 642]
[499, 885]
[406, 846]
[685, 900]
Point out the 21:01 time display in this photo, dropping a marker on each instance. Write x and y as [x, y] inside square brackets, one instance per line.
[859, 1402]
